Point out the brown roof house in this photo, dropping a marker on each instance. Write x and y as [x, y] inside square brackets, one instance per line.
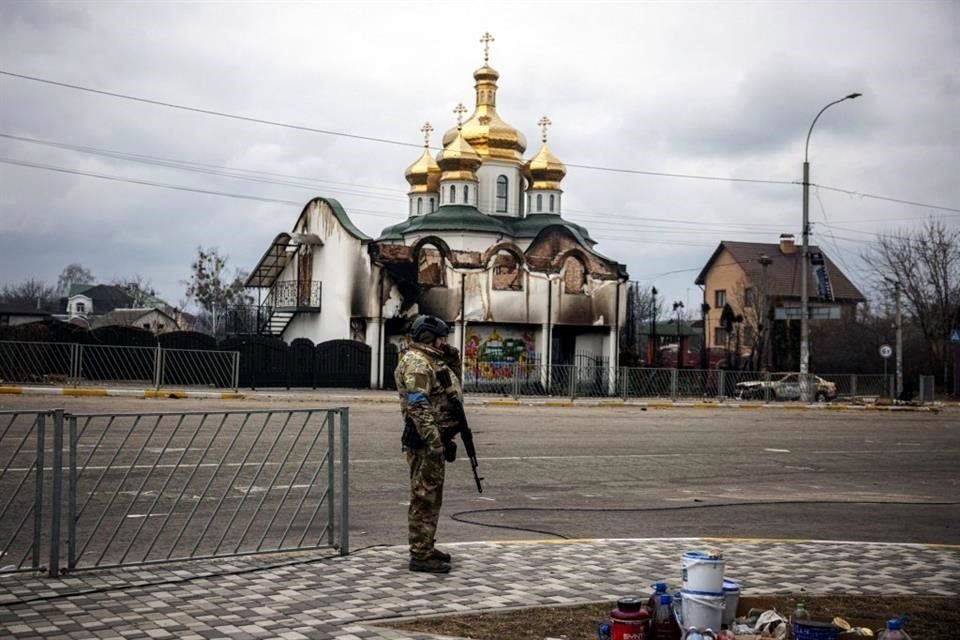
[761, 281]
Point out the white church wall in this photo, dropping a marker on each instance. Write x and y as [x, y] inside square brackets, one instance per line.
[488, 173]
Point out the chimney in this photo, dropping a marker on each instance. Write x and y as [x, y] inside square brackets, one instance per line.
[787, 245]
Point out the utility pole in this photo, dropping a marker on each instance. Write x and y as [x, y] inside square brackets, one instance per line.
[765, 261]
[896, 288]
[678, 307]
[653, 328]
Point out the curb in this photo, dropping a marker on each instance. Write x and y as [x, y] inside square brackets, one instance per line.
[491, 402]
[122, 393]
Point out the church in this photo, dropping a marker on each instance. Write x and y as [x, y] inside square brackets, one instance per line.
[485, 247]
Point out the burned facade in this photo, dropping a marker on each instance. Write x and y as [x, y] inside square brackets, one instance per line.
[485, 247]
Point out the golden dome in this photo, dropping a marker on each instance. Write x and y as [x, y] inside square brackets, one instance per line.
[458, 160]
[424, 174]
[485, 130]
[544, 170]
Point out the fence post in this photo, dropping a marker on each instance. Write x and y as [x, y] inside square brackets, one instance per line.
[72, 494]
[56, 494]
[157, 373]
[79, 364]
[345, 481]
[38, 490]
[853, 384]
[516, 379]
[722, 384]
[236, 372]
[574, 372]
[75, 364]
[674, 379]
[624, 381]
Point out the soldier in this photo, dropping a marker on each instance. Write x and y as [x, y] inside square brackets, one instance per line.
[422, 399]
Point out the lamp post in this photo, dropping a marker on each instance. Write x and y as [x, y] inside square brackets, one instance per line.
[805, 257]
[765, 321]
[678, 307]
[654, 357]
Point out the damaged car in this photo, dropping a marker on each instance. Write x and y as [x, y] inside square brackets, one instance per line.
[785, 388]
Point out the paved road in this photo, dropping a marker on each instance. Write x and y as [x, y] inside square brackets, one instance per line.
[623, 472]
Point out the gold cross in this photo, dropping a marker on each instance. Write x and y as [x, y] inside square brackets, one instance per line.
[544, 123]
[426, 129]
[460, 110]
[486, 40]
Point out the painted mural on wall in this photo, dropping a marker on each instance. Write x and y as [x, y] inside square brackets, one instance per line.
[490, 353]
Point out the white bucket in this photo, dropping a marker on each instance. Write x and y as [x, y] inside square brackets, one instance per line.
[731, 593]
[702, 610]
[702, 571]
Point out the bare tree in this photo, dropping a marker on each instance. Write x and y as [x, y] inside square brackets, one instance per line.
[30, 294]
[73, 273]
[926, 263]
[642, 308]
[212, 289]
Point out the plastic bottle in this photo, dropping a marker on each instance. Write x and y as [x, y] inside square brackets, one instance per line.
[603, 631]
[629, 621]
[800, 614]
[692, 633]
[659, 588]
[894, 631]
[664, 625]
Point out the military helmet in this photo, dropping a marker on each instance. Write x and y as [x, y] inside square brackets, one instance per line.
[428, 328]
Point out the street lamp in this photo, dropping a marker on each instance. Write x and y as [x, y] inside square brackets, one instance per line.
[678, 307]
[805, 257]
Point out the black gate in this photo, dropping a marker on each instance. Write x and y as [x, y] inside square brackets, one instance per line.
[263, 360]
[342, 363]
[300, 363]
[391, 358]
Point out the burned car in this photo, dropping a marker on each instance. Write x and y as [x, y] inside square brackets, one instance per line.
[785, 388]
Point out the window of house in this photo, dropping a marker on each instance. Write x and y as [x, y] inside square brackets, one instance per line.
[551, 203]
[453, 194]
[466, 194]
[539, 202]
[719, 298]
[507, 274]
[419, 206]
[747, 334]
[502, 190]
[574, 276]
[719, 337]
[80, 307]
[432, 208]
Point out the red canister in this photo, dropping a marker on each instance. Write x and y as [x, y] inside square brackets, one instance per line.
[629, 621]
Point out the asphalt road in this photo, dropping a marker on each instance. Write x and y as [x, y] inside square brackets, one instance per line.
[610, 472]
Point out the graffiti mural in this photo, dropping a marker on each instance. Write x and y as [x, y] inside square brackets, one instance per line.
[490, 353]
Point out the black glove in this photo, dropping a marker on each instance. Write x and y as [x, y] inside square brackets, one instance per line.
[450, 451]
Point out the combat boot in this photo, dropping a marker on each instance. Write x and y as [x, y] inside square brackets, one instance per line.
[429, 565]
[440, 555]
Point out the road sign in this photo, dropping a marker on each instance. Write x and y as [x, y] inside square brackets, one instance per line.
[885, 351]
[955, 336]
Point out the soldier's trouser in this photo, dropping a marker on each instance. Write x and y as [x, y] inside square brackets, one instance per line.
[426, 497]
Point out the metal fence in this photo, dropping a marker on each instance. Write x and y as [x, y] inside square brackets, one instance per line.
[104, 490]
[75, 364]
[521, 379]
[925, 391]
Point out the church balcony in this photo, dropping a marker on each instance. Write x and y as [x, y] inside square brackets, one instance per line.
[294, 295]
[286, 299]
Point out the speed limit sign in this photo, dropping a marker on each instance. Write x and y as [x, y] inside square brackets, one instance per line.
[885, 351]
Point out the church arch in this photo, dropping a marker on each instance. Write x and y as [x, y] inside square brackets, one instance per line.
[431, 254]
[574, 273]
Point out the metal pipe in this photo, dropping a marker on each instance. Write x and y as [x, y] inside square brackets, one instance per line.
[72, 497]
[40, 423]
[55, 494]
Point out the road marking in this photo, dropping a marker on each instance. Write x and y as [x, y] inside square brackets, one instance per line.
[778, 450]
[147, 515]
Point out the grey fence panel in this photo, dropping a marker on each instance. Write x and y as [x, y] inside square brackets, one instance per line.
[22, 489]
[187, 367]
[162, 487]
[648, 383]
[874, 385]
[925, 391]
[37, 362]
[103, 363]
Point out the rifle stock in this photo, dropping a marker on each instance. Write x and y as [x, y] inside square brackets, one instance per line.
[463, 428]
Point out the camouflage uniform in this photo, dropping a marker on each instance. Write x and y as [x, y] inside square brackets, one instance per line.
[420, 400]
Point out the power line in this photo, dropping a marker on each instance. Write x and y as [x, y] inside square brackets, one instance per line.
[661, 174]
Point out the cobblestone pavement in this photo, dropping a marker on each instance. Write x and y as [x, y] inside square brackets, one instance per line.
[317, 596]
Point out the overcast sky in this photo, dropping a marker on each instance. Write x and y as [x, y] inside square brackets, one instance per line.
[724, 89]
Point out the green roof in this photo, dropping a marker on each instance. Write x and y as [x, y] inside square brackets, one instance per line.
[464, 218]
[344, 219]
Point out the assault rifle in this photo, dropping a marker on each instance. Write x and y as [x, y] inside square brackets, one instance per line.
[462, 428]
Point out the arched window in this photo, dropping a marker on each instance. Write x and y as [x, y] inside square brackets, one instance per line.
[551, 203]
[432, 208]
[507, 274]
[529, 206]
[420, 205]
[453, 194]
[466, 194]
[430, 267]
[502, 190]
[539, 203]
[574, 276]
